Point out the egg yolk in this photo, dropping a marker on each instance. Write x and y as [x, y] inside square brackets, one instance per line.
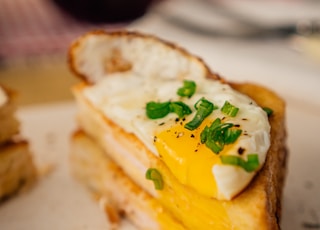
[189, 161]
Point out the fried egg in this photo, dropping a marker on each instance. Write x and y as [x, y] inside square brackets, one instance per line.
[122, 97]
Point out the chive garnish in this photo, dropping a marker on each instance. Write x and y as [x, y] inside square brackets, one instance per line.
[231, 135]
[219, 134]
[268, 111]
[250, 165]
[204, 108]
[188, 89]
[157, 110]
[229, 109]
[180, 108]
[154, 175]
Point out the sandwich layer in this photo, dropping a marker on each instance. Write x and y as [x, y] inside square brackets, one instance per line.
[116, 191]
[258, 207]
[17, 170]
[9, 125]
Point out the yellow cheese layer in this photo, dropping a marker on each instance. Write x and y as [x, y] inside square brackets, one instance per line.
[187, 205]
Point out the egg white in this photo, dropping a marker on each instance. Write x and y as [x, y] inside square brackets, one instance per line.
[122, 97]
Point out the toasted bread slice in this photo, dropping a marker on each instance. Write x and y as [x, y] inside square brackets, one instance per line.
[17, 170]
[257, 207]
[117, 193]
[9, 125]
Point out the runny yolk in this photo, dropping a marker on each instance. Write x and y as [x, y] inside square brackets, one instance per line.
[189, 161]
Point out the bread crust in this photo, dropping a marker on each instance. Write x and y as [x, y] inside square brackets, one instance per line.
[17, 170]
[8, 122]
[259, 205]
[75, 65]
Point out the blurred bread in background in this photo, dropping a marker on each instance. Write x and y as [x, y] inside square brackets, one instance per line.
[17, 170]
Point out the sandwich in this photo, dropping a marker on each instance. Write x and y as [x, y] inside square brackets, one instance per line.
[17, 170]
[170, 144]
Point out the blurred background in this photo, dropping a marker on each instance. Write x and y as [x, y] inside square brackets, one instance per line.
[275, 43]
[35, 34]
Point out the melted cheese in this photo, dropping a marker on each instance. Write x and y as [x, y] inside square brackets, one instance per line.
[192, 209]
[123, 97]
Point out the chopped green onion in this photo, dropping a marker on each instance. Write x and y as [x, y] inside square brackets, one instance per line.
[250, 165]
[188, 89]
[215, 146]
[154, 175]
[207, 131]
[204, 108]
[231, 135]
[157, 110]
[180, 108]
[229, 109]
[268, 111]
[218, 135]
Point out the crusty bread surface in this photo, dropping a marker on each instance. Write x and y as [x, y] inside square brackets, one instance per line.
[116, 192]
[257, 207]
[17, 170]
[9, 125]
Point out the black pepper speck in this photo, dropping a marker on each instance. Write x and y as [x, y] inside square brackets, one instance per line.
[241, 150]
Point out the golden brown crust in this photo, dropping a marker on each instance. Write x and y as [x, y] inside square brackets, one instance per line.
[13, 143]
[9, 125]
[130, 35]
[17, 170]
[10, 92]
[272, 177]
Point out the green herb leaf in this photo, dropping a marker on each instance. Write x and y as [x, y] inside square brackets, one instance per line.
[180, 108]
[252, 162]
[188, 89]
[250, 165]
[154, 175]
[207, 132]
[229, 109]
[231, 135]
[157, 110]
[218, 135]
[204, 108]
[215, 146]
[268, 111]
